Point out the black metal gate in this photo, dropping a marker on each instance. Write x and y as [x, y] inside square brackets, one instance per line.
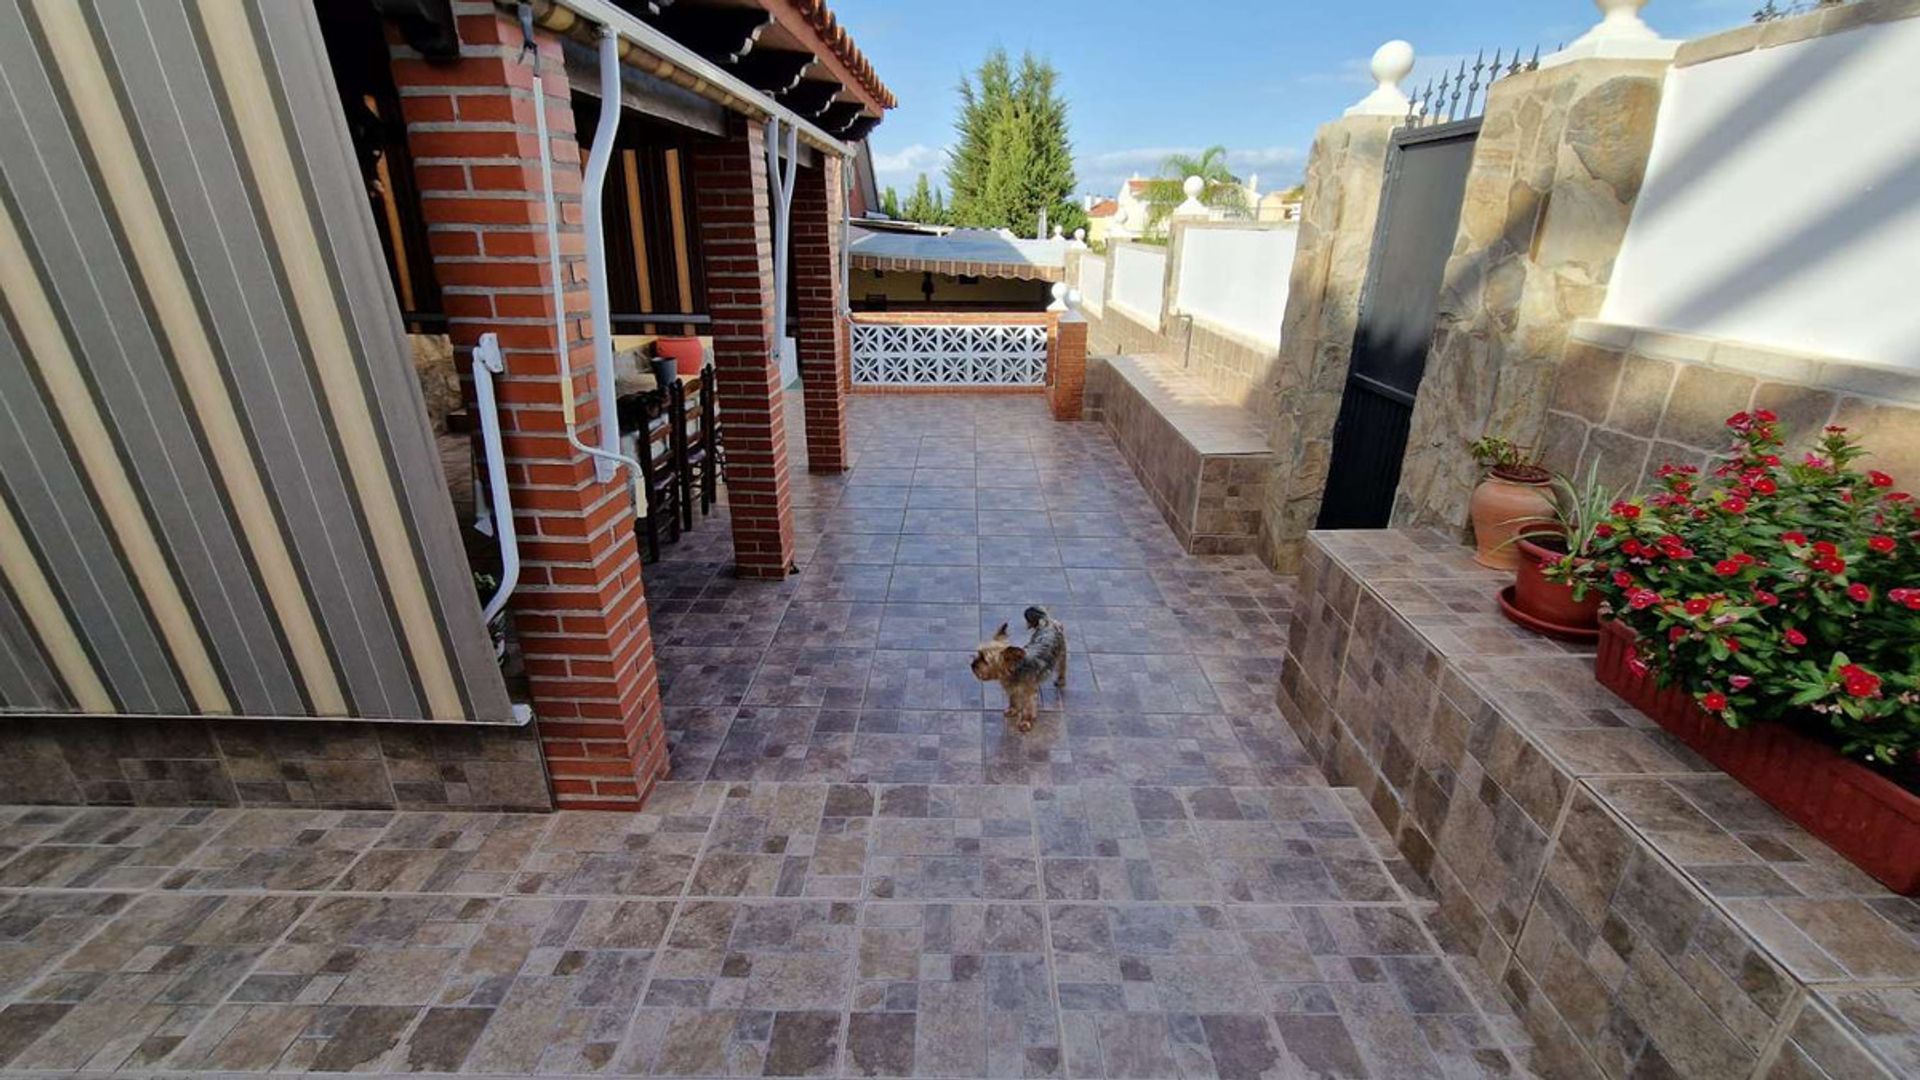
[1419, 213]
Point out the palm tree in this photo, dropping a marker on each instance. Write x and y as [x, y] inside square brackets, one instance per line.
[1223, 190]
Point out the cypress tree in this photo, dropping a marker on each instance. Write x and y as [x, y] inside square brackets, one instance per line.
[1013, 157]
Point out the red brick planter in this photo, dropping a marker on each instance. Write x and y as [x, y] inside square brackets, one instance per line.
[1864, 816]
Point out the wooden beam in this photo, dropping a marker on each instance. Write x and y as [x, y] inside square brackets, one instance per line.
[775, 71]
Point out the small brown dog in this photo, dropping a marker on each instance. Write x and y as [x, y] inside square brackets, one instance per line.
[1020, 670]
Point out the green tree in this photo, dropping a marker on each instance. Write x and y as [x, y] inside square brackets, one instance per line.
[1013, 157]
[925, 205]
[1166, 192]
[890, 203]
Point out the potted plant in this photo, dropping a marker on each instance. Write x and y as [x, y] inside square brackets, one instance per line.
[1770, 618]
[1549, 596]
[1513, 489]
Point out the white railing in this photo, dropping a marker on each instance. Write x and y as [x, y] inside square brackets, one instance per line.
[949, 354]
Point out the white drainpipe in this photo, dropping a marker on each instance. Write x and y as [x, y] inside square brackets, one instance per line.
[599, 160]
[605, 460]
[487, 363]
[781, 181]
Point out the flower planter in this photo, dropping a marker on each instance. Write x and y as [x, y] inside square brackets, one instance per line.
[1497, 506]
[1548, 607]
[1869, 819]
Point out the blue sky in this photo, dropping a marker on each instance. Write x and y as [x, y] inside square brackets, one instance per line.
[1145, 79]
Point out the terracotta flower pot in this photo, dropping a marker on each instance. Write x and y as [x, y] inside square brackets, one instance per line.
[1502, 498]
[1869, 819]
[685, 352]
[1550, 602]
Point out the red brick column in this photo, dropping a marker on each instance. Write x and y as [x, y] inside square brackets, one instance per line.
[730, 192]
[1067, 366]
[579, 611]
[819, 206]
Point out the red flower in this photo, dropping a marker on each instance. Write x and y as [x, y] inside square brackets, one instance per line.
[1859, 681]
[1859, 593]
[1726, 568]
[1744, 559]
[1699, 605]
[1825, 547]
[1734, 504]
[1638, 665]
[1908, 598]
[1739, 682]
[1676, 633]
[1882, 544]
[1765, 598]
[1795, 637]
[1642, 599]
[1797, 539]
[1765, 416]
[1897, 496]
[1627, 510]
[1622, 579]
[1878, 478]
[1714, 701]
[1603, 530]
[1765, 486]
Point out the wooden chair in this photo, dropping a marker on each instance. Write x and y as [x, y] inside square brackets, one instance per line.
[696, 448]
[659, 474]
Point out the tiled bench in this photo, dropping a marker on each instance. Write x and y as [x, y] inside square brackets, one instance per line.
[1645, 914]
[1202, 459]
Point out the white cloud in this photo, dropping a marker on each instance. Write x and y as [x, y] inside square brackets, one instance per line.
[1103, 173]
[901, 167]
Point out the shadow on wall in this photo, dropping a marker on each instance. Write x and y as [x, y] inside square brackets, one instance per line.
[1824, 237]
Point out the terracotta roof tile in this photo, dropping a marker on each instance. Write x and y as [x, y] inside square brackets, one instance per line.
[828, 27]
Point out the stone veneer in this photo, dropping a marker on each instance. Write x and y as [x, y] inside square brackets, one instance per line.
[1557, 168]
[1645, 914]
[125, 761]
[1345, 173]
[1633, 400]
[1198, 457]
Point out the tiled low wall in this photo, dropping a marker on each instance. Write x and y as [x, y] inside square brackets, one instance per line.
[1645, 914]
[193, 762]
[1199, 459]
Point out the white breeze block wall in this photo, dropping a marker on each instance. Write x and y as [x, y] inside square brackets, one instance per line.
[1782, 201]
[1139, 277]
[1236, 279]
[1093, 282]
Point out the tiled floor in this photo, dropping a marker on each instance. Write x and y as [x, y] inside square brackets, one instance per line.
[856, 870]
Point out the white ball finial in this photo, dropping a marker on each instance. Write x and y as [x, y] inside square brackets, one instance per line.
[1620, 35]
[1392, 62]
[1079, 236]
[1059, 297]
[1192, 207]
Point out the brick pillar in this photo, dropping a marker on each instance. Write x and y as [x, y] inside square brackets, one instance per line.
[1067, 366]
[819, 206]
[580, 611]
[730, 192]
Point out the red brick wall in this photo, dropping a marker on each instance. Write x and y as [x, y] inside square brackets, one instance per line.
[580, 611]
[730, 192]
[818, 209]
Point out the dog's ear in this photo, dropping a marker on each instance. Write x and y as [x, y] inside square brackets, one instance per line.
[1000, 634]
[1014, 654]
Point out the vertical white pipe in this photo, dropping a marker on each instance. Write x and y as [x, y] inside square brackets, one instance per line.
[781, 180]
[599, 160]
[487, 363]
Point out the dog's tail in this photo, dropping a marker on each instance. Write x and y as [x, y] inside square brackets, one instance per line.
[1037, 617]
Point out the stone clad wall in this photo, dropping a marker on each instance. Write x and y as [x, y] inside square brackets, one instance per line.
[1559, 162]
[1634, 400]
[1345, 174]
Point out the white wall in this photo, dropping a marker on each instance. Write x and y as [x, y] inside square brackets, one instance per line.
[1236, 279]
[1139, 281]
[1093, 282]
[1782, 201]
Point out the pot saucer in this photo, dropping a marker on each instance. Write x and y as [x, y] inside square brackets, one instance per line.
[1579, 635]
